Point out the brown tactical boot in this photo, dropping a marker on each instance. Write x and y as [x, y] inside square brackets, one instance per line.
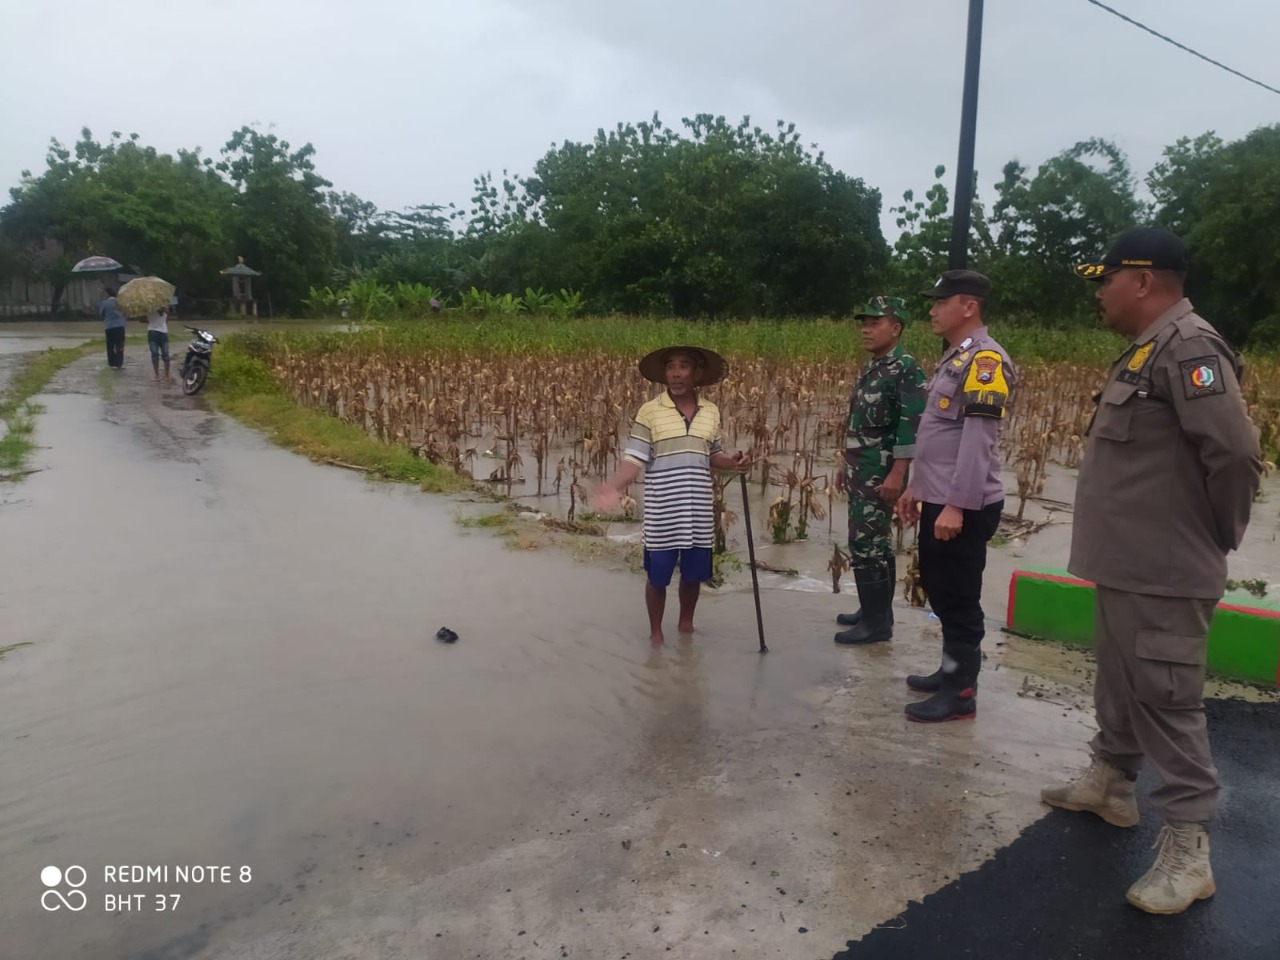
[1181, 874]
[1104, 790]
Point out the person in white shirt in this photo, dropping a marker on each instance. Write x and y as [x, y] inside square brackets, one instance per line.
[158, 342]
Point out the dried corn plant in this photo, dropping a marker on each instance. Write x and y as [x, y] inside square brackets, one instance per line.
[528, 412]
[840, 562]
[912, 588]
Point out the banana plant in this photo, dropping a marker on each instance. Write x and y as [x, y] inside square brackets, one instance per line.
[370, 300]
[567, 303]
[322, 302]
[537, 301]
[414, 299]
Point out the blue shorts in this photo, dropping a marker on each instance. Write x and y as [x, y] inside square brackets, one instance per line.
[159, 344]
[695, 565]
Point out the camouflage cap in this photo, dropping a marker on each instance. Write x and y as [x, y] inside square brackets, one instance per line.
[895, 307]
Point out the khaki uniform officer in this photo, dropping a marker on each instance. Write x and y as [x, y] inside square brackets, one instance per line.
[1170, 468]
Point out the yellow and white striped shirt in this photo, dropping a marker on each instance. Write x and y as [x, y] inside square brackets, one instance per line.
[676, 457]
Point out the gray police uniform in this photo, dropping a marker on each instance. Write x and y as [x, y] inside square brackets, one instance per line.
[957, 463]
[1170, 468]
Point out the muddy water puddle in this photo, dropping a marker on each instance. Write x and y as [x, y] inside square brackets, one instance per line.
[232, 663]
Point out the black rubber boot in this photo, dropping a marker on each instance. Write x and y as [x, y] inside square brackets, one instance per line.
[855, 618]
[875, 590]
[957, 695]
[925, 684]
[849, 619]
[931, 683]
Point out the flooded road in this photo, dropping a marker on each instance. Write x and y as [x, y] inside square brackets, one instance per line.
[232, 662]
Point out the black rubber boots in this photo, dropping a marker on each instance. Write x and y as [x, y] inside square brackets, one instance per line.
[956, 691]
[873, 623]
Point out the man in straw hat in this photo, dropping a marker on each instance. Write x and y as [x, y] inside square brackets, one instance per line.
[675, 442]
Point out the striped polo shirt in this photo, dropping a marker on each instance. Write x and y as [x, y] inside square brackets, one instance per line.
[675, 455]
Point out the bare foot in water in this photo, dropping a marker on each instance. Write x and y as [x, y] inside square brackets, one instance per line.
[657, 639]
[685, 627]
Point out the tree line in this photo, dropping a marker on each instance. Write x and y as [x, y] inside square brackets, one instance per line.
[706, 219]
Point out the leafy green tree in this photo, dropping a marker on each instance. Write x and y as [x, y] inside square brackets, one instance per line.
[1224, 199]
[722, 220]
[356, 229]
[281, 222]
[1068, 213]
[52, 220]
[163, 213]
[922, 249]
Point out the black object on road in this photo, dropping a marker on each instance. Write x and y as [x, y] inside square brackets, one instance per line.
[445, 635]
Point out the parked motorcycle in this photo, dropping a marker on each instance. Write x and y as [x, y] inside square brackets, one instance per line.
[199, 358]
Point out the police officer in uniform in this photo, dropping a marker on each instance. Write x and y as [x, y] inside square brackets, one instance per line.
[1171, 465]
[956, 494]
[884, 410]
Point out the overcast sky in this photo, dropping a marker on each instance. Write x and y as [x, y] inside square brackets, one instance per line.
[406, 101]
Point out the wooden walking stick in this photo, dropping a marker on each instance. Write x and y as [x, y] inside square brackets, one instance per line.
[751, 553]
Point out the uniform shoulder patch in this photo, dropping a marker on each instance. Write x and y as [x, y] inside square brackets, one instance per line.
[986, 389]
[1202, 377]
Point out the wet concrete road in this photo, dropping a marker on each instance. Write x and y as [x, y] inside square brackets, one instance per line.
[231, 663]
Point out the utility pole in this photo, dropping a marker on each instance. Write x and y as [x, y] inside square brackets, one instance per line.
[959, 258]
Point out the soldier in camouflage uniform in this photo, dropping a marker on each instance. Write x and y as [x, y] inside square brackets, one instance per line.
[884, 409]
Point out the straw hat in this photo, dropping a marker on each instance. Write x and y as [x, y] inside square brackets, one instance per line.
[712, 367]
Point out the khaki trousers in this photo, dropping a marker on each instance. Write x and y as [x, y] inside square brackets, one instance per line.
[1149, 696]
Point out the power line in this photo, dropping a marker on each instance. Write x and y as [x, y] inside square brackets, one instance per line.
[1143, 26]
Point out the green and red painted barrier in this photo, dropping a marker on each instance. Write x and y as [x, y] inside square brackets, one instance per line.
[1244, 639]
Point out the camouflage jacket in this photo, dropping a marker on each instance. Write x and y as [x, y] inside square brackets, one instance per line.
[885, 407]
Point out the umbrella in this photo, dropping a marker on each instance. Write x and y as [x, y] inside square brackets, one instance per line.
[144, 295]
[90, 264]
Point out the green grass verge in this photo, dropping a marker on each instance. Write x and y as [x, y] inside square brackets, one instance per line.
[242, 386]
[17, 443]
[17, 411]
[35, 374]
[488, 520]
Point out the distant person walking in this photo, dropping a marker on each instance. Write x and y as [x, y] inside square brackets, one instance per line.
[158, 341]
[113, 322]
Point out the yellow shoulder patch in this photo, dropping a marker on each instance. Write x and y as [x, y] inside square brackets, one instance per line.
[986, 390]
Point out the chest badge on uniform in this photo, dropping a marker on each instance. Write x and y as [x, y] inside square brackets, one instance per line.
[966, 343]
[944, 402]
[1139, 358]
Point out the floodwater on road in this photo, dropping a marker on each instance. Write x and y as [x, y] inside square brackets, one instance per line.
[229, 659]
